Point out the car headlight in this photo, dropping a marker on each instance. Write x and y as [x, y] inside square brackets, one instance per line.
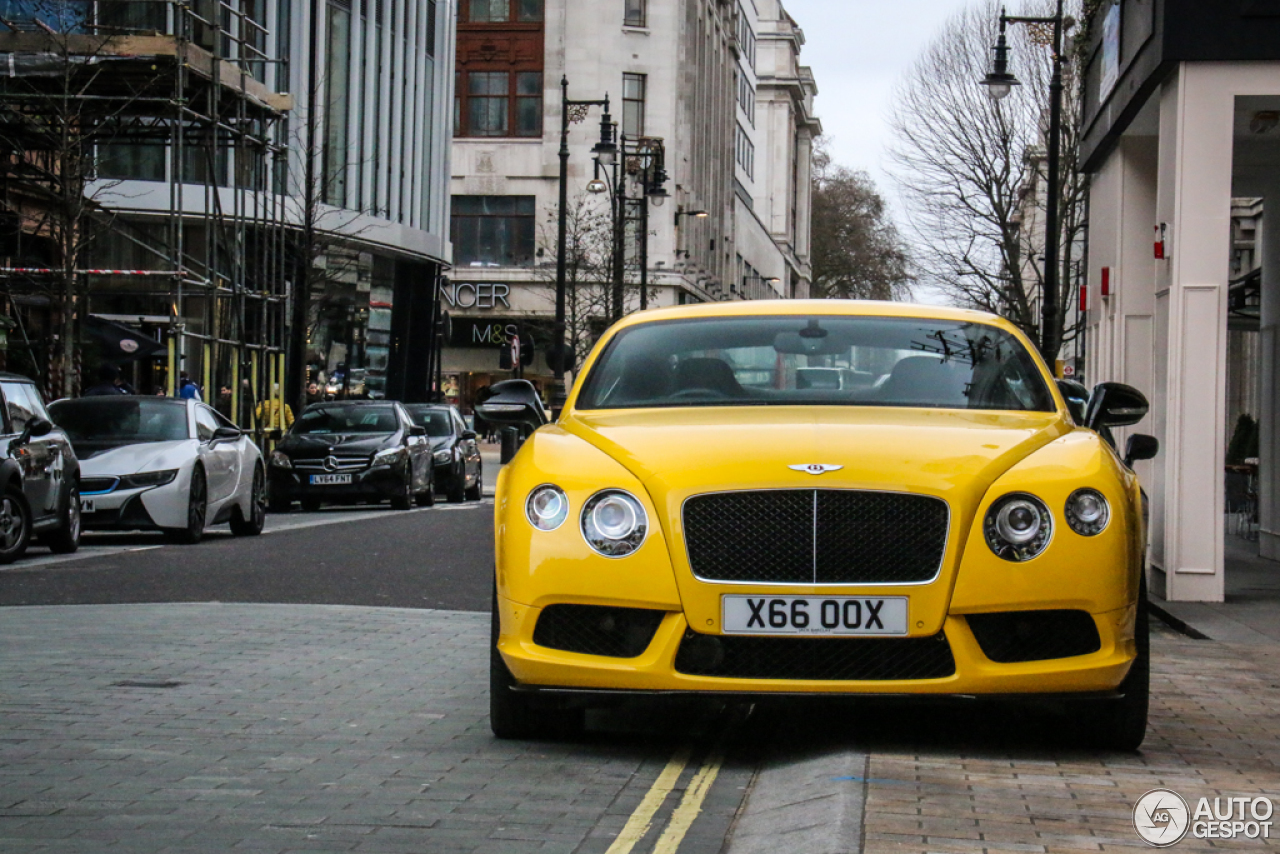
[1087, 512]
[444, 456]
[614, 523]
[148, 479]
[281, 460]
[389, 457]
[1018, 527]
[547, 507]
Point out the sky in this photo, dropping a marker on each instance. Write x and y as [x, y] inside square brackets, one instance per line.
[859, 50]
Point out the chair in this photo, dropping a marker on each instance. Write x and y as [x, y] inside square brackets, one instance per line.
[710, 374]
[925, 379]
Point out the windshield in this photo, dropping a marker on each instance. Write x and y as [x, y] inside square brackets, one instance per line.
[347, 419]
[437, 421]
[816, 361]
[122, 420]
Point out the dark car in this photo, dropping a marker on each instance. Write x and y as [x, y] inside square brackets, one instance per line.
[352, 451]
[39, 473]
[459, 473]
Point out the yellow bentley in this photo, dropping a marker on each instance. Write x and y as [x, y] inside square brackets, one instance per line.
[823, 497]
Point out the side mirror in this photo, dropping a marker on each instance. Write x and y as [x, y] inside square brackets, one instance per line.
[275, 434]
[225, 434]
[512, 403]
[417, 430]
[1115, 405]
[1140, 447]
[38, 427]
[1077, 397]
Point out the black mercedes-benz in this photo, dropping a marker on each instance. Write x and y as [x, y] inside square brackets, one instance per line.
[348, 452]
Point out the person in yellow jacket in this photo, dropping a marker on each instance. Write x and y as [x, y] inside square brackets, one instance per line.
[274, 414]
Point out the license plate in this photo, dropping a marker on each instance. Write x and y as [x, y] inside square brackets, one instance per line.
[329, 479]
[814, 615]
[87, 505]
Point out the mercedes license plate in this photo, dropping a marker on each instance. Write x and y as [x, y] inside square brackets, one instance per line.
[330, 479]
[814, 615]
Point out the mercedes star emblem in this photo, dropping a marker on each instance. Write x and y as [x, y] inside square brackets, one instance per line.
[815, 468]
[330, 463]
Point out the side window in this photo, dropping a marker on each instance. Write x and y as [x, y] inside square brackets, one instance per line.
[206, 423]
[23, 403]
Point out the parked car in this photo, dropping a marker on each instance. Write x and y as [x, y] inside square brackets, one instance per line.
[949, 529]
[458, 469]
[39, 473]
[154, 463]
[350, 451]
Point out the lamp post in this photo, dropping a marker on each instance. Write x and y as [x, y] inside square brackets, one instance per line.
[643, 160]
[1000, 83]
[605, 151]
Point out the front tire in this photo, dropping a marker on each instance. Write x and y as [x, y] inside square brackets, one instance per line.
[15, 525]
[1121, 724]
[456, 494]
[404, 501]
[197, 511]
[252, 526]
[65, 538]
[513, 715]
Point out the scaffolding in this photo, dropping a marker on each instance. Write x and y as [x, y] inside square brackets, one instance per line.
[145, 165]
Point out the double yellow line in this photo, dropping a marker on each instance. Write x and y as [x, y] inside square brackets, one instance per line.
[690, 805]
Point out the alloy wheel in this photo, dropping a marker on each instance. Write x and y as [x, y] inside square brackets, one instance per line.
[12, 524]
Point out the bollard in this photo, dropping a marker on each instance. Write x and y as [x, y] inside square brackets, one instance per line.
[510, 443]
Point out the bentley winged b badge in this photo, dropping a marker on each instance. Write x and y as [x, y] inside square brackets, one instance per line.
[815, 468]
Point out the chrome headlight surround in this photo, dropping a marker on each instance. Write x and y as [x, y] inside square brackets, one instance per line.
[281, 460]
[1087, 512]
[547, 507]
[388, 457]
[614, 523]
[443, 456]
[1018, 527]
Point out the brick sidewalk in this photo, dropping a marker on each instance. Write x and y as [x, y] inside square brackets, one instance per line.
[1214, 731]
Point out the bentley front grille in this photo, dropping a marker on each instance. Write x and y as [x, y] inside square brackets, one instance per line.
[816, 536]
[826, 659]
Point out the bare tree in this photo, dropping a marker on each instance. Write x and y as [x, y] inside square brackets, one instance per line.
[973, 174]
[857, 251]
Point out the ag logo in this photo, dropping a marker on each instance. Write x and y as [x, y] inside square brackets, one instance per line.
[1161, 818]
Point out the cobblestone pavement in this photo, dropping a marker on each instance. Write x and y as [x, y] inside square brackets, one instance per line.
[151, 729]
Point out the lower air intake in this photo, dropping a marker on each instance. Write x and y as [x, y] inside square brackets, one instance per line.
[597, 630]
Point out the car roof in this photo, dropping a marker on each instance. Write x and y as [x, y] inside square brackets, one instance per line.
[355, 403]
[14, 378]
[444, 406]
[845, 307]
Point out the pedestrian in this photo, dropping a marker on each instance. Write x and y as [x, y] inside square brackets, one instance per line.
[109, 382]
[223, 404]
[273, 414]
[187, 388]
[161, 391]
[313, 392]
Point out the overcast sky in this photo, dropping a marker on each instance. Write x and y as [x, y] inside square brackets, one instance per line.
[858, 50]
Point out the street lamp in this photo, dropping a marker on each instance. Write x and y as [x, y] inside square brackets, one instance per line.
[1000, 82]
[604, 150]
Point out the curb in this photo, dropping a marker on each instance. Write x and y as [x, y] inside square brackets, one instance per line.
[1176, 623]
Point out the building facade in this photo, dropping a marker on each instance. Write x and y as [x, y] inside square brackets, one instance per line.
[715, 86]
[281, 219]
[1182, 142]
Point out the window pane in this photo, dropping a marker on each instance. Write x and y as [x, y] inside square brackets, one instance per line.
[529, 116]
[634, 15]
[488, 116]
[490, 10]
[529, 83]
[633, 86]
[488, 83]
[531, 10]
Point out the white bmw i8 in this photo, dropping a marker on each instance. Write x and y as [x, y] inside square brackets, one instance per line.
[153, 463]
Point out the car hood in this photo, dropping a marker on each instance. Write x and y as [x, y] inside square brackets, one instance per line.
[131, 459]
[320, 444]
[953, 454]
[438, 442]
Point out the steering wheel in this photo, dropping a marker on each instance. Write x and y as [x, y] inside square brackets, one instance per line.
[696, 393]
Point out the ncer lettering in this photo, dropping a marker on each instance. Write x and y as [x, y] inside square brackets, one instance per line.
[1229, 818]
[469, 295]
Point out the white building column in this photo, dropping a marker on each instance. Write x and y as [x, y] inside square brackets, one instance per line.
[1194, 201]
[1269, 403]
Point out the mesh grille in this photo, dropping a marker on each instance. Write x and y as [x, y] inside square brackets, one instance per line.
[597, 630]
[1034, 635]
[815, 536]
[832, 659]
